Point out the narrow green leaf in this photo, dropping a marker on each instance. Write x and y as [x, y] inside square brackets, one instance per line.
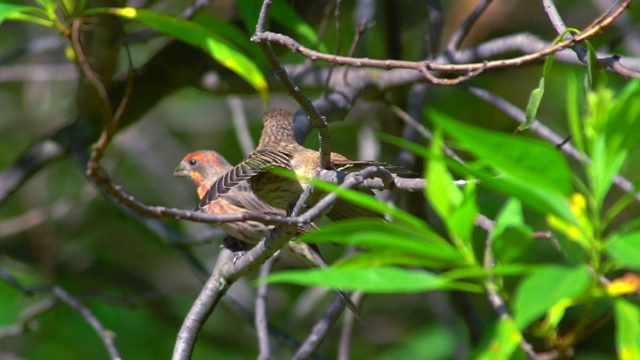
[532, 105]
[504, 341]
[595, 76]
[21, 13]
[372, 280]
[573, 114]
[232, 33]
[542, 290]
[536, 95]
[627, 329]
[379, 235]
[625, 249]
[197, 35]
[442, 193]
[539, 199]
[480, 272]
[534, 162]
[370, 203]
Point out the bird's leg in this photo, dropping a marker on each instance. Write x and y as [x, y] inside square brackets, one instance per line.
[238, 247]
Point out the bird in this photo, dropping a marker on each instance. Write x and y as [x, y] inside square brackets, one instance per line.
[278, 149]
[204, 167]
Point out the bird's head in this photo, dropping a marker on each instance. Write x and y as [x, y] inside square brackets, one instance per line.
[202, 167]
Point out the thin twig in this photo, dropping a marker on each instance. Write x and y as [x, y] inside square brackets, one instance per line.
[320, 329]
[106, 335]
[344, 348]
[240, 124]
[496, 301]
[261, 322]
[228, 269]
[458, 36]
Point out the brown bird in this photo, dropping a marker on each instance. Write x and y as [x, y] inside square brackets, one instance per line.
[204, 168]
[278, 149]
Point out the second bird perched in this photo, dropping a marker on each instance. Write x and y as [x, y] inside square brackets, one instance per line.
[278, 149]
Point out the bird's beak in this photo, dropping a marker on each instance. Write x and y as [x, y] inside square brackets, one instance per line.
[181, 172]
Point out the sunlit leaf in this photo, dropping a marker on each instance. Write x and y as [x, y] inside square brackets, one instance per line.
[198, 35]
[379, 235]
[22, 13]
[537, 163]
[625, 249]
[373, 280]
[627, 329]
[504, 341]
[542, 290]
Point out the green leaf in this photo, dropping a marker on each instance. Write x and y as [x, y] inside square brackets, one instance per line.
[443, 194]
[197, 35]
[532, 105]
[368, 202]
[539, 199]
[512, 237]
[542, 290]
[595, 76]
[625, 249]
[536, 95]
[21, 13]
[534, 162]
[504, 341]
[232, 33]
[623, 123]
[377, 235]
[627, 329]
[573, 114]
[372, 280]
[480, 272]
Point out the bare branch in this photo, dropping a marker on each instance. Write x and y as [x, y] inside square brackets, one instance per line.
[321, 328]
[261, 321]
[458, 36]
[240, 124]
[427, 67]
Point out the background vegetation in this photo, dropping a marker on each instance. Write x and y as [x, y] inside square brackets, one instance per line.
[557, 280]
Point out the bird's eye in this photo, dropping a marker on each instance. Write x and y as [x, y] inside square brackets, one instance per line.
[192, 162]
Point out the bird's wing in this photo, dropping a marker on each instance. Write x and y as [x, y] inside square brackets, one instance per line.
[243, 197]
[255, 163]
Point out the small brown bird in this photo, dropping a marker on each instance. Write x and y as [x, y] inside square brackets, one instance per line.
[204, 168]
[278, 149]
